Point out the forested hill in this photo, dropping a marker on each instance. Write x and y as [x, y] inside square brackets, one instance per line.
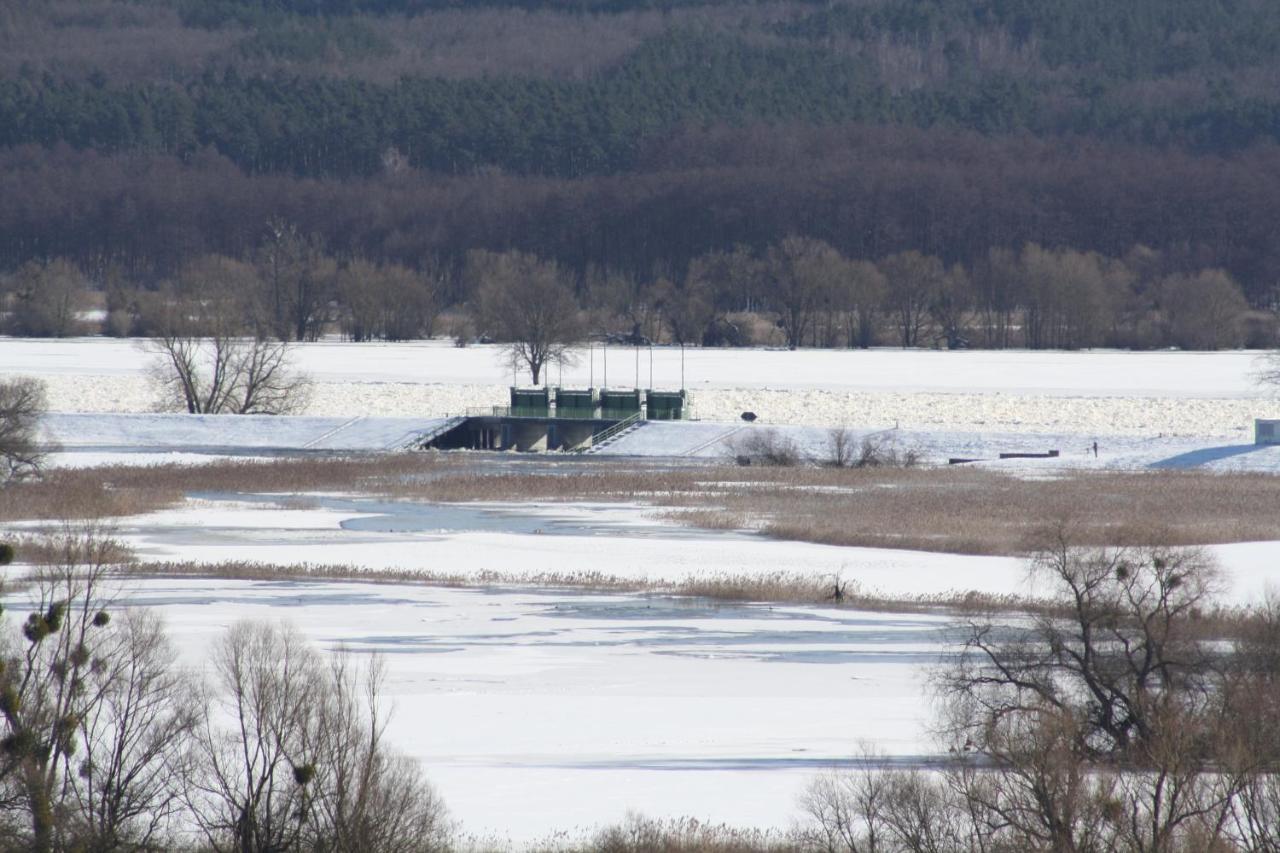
[636, 135]
[291, 91]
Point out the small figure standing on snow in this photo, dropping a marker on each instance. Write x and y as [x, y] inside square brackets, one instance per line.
[1095, 450]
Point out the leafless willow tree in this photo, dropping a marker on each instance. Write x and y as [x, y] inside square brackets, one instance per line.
[290, 755]
[528, 305]
[365, 796]
[91, 710]
[46, 299]
[1127, 646]
[209, 356]
[389, 301]
[1127, 715]
[22, 403]
[127, 787]
[255, 745]
[298, 281]
[803, 274]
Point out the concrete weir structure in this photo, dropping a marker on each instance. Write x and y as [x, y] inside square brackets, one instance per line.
[564, 419]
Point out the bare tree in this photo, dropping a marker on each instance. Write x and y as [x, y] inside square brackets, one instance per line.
[127, 785]
[1067, 297]
[912, 282]
[22, 404]
[840, 447]
[52, 681]
[689, 311]
[228, 375]
[365, 797]
[46, 299]
[1203, 311]
[803, 274]
[248, 791]
[950, 306]
[848, 810]
[1128, 645]
[1125, 715]
[290, 755]
[390, 302]
[298, 280]
[765, 447]
[859, 294]
[526, 304]
[208, 358]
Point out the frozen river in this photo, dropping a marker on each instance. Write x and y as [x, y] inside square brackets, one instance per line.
[538, 710]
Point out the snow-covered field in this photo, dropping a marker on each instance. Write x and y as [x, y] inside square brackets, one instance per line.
[538, 710]
[1102, 393]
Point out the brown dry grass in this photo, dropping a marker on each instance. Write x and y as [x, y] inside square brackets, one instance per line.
[949, 510]
[118, 490]
[774, 588]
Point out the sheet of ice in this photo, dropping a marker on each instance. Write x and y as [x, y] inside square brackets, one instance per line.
[518, 542]
[650, 549]
[541, 711]
[521, 542]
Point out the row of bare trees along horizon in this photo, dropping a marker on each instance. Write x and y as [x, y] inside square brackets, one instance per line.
[799, 292]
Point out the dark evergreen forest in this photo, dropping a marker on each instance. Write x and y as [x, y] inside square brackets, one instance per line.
[638, 140]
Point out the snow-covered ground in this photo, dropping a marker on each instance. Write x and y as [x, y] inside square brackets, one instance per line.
[94, 439]
[1063, 374]
[522, 541]
[528, 540]
[1103, 393]
[537, 710]
[542, 711]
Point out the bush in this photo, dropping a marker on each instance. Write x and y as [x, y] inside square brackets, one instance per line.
[22, 404]
[876, 451]
[765, 447]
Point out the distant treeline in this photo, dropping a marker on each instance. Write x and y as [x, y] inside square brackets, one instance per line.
[798, 292]
[868, 192]
[631, 138]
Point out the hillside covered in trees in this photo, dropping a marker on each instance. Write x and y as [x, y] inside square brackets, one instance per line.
[1055, 174]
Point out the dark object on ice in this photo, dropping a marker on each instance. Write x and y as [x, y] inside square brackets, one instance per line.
[1052, 454]
[748, 416]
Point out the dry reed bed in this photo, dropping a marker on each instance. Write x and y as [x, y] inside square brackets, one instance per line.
[967, 511]
[113, 491]
[774, 588]
[779, 588]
